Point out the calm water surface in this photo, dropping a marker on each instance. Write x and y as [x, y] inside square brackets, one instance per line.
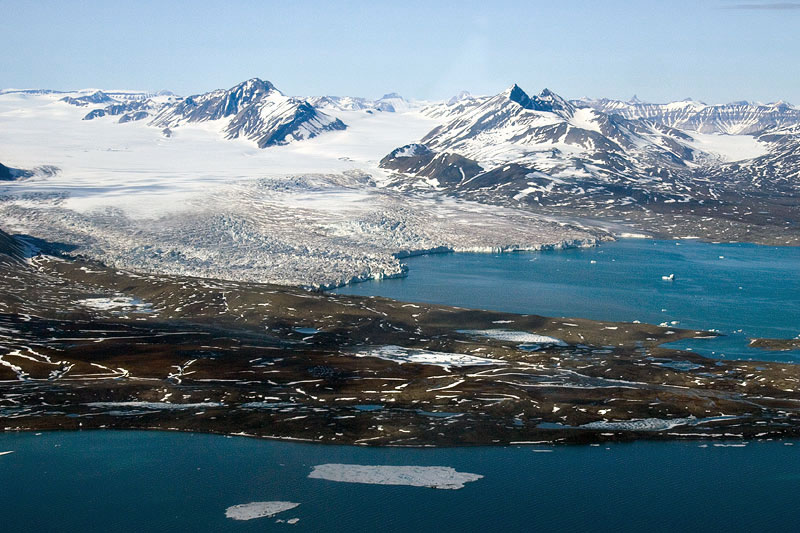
[152, 481]
[742, 290]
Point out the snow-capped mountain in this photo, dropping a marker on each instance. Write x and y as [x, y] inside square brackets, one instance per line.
[541, 152]
[511, 140]
[253, 109]
[97, 97]
[389, 103]
[736, 118]
[129, 106]
[545, 150]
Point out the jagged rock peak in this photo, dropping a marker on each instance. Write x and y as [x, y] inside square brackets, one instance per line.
[546, 100]
[516, 94]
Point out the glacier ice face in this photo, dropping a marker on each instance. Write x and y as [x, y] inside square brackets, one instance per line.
[311, 230]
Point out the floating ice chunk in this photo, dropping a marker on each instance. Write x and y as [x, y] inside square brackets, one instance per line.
[249, 511]
[522, 337]
[402, 355]
[437, 477]
[670, 277]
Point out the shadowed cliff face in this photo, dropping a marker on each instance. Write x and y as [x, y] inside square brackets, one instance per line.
[82, 345]
[11, 250]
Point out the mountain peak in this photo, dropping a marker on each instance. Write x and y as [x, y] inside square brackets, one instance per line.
[253, 86]
[516, 94]
[547, 100]
[461, 96]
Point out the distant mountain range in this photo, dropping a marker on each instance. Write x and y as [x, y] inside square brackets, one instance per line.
[545, 150]
[523, 149]
[254, 109]
[736, 118]
[722, 171]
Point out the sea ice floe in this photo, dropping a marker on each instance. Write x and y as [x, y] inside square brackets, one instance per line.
[438, 477]
[521, 337]
[249, 511]
[402, 355]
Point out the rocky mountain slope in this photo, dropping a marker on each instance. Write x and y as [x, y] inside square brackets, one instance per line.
[580, 156]
[736, 118]
[253, 109]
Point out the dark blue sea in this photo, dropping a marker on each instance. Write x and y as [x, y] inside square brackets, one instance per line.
[129, 481]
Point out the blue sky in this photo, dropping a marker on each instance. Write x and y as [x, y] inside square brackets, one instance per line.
[711, 50]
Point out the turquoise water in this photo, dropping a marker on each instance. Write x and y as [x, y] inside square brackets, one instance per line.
[742, 290]
[151, 481]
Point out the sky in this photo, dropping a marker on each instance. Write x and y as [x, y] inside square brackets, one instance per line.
[710, 50]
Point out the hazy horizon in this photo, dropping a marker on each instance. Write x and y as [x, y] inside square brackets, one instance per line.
[716, 52]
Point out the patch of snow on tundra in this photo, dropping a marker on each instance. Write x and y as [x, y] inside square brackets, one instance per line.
[643, 424]
[154, 405]
[117, 302]
[521, 337]
[402, 355]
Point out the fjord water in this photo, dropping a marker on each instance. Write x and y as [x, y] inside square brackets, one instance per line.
[156, 481]
[741, 290]
[143, 481]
